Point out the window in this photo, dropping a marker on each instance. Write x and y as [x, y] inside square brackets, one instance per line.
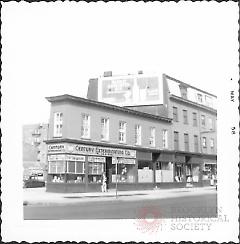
[175, 114]
[85, 132]
[56, 167]
[183, 91]
[138, 134]
[209, 101]
[176, 140]
[105, 129]
[210, 122]
[212, 143]
[165, 139]
[186, 142]
[199, 98]
[195, 143]
[122, 131]
[58, 120]
[152, 136]
[204, 142]
[185, 117]
[194, 119]
[75, 167]
[203, 120]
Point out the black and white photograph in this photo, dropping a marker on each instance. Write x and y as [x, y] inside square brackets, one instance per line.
[120, 121]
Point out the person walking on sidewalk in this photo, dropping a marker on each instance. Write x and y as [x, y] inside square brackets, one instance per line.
[104, 183]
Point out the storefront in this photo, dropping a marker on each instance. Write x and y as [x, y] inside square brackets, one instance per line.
[79, 168]
[209, 169]
[194, 169]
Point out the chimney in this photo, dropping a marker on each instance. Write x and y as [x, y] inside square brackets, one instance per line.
[107, 74]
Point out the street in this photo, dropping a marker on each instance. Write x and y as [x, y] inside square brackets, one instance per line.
[188, 206]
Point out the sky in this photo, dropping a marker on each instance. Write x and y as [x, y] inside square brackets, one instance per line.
[55, 48]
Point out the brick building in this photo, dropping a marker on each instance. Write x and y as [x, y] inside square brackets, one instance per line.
[145, 131]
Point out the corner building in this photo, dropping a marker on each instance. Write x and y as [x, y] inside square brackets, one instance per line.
[142, 130]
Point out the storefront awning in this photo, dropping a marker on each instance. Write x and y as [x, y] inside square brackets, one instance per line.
[209, 161]
[180, 159]
[144, 156]
[165, 157]
[195, 160]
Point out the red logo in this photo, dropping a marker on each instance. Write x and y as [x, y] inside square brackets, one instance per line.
[148, 220]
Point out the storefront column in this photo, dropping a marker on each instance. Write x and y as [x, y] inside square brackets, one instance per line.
[136, 171]
[154, 172]
[86, 174]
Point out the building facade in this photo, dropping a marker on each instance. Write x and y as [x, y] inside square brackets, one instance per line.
[162, 141]
[34, 149]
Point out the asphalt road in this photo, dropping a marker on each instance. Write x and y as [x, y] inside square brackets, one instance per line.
[179, 207]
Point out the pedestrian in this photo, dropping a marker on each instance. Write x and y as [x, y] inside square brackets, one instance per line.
[104, 183]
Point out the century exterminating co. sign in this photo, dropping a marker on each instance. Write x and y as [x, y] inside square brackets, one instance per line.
[91, 150]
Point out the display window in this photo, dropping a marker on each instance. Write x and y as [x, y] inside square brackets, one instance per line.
[75, 178]
[145, 172]
[125, 173]
[164, 172]
[58, 178]
[178, 173]
[75, 167]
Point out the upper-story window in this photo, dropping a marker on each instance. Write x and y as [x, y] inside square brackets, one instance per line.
[183, 91]
[176, 140]
[175, 114]
[199, 98]
[203, 120]
[186, 142]
[194, 119]
[212, 143]
[58, 124]
[196, 143]
[210, 123]
[185, 117]
[152, 136]
[138, 134]
[122, 131]
[204, 142]
[105, 129]
[165, 139]
[85, 129]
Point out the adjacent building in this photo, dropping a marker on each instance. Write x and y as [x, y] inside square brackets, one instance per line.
[143, 131]
[34, 148]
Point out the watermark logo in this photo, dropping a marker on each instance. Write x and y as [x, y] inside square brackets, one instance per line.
[148, 219]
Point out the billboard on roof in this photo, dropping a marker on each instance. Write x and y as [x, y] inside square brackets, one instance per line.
[131, 90]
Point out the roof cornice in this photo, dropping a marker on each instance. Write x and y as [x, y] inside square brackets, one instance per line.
[71, 98]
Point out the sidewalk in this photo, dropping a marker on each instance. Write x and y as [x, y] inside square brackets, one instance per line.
[39, 196]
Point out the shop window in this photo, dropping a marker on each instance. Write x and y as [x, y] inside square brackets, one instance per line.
[85, 129]
[178, 173]
[185, 117]
[122, 131]
[57, 124]
[75, 178]
[194, 119]
[175, 114]
[195, 143]
[125, 172]
[152, 136]
[186, 142]
[204, 142]
[176, 140]
[56, 167]
[164, 172]
[58, 178]
[74, 167]
[138, 134]
[203, 122]
[145, 172]
[165, 139]
[105, 129]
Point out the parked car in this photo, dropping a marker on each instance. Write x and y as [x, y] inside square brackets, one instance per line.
[33, 181]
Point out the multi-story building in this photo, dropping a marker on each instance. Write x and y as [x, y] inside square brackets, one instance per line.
[150, 135]
[34, 148]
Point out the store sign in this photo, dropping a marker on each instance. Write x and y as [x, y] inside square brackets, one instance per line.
[91, 150]
[56, 148]
[66, 158]
[105, 151]
[96, 159]
[124, 161]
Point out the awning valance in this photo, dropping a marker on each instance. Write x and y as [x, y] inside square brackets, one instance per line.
[165, 157]
[144, 156]
[180, 159]
[209, 161]
[195, 160]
